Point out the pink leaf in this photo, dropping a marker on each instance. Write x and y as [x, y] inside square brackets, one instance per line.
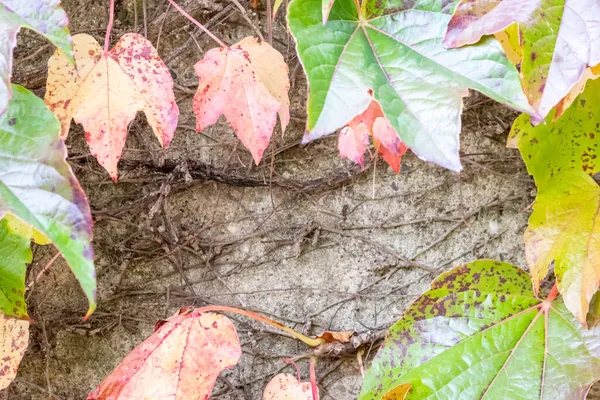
[353, 142]
[287, 387]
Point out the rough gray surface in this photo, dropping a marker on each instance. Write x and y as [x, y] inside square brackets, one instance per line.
[319, 246]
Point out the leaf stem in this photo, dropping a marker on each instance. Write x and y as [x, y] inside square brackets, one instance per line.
[111, 20]
[198, 24]
[313, 378]
[309, 341]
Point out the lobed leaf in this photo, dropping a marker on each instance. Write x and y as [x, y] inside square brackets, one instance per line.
[14, 338]
[15, 254]
[103, 92]
[392, 52]
[38, 187]
[180, 360]
[571, 142]
[45, 17]
[563, 232]
[248, 83]
[479, 333]
[559, 38]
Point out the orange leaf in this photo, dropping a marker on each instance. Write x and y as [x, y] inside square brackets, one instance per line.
[287, 387]
[248, 83]
[14, 337]
[388, 144]
[181, 360]
[385, 139]
[103, 92]
[333, 337]
[352, 143]
[398, 393]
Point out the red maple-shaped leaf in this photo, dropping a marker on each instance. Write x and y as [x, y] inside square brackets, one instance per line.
[179, 361]
[104, 91]
[353, 138]
[248, 83]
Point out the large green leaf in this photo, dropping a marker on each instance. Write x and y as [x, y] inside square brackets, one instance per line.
[564, 231]
[560, 38]
[15, 253]
[45, 17]
[392, 51]
[480, 333]
[38, 187]
[571, 142]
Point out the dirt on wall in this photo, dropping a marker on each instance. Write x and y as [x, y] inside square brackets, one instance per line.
[305, 237]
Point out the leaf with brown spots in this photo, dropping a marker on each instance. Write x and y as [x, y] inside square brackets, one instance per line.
[248, 83]
[287, 387]
[564, 232]
[45, 17]
[559, 38]
[14, 337]
[480, 333]
[571, 142]
[103, 92]
[15, 254]
[179, 361]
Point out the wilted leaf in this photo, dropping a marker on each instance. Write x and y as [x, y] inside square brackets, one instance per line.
[103, 92]
[180, 361]
[479, 332]
[14, 338]
[15, 253]
[394, 54]
[287, 387]
[352, 143]
[336, 337]
[569, 143]
[38, 186]
[559, 38]
[248, 83]
[45, 17]
[563, 231]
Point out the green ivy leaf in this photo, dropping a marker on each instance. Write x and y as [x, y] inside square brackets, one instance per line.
[38, 187]
[393, 52]
[559, 39]
[15, 253]
[45, 17]
[563, 231]
[480, 333]
[571, 142]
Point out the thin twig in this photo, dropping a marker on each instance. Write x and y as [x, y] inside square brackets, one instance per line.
[198, 24]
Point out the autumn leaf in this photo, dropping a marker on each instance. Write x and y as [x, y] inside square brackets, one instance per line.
[180, 360]
[398, 393]
[352, 143]
[14, 338]
[480, 333]
[510, 40]
[38, 187]
[287, 387]
[589, 74]
[353, 138]
[563, 231]
[569, 143]
[392, 52]
[336, 337]
[248, 83]
[45, 17]
[103, 92]
[559, 39]
[15, 254]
